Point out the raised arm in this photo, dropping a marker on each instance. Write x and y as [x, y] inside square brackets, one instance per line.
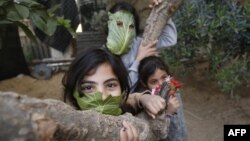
[168, 37]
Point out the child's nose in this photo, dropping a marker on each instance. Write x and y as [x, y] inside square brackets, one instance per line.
[104, 95]
[103, 91]
[161, 82]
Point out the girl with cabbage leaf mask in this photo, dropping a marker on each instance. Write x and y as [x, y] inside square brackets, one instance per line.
[121, 32]
[86, 88]
[123, 37]
[97, 80]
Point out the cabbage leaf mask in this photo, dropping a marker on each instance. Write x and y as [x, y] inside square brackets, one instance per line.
[121, 32]
[110, 106]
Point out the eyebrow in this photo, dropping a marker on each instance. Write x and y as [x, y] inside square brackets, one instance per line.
[111, 79]
[92, 82]
[152, 80]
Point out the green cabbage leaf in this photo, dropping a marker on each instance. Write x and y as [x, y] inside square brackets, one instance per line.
[110, 106]
[121, 32]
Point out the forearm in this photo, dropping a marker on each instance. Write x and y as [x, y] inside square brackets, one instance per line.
[160, 125]
[133, 100]
[133, 73]
[169, 35]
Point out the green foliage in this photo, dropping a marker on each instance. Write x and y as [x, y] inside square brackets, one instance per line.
[99, 21]
[217, 32]
[14, 11]
[232, 75]
[176, 67]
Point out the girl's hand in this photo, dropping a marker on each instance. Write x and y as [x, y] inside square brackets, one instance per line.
[173, 105]
[153, 104]
[145, 51]
[154, 3]
[128, 132]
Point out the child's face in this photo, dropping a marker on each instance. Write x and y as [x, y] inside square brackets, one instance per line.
[157, 78]
[121, 32]
[102, 80]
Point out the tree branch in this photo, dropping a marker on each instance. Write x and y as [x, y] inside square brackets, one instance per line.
[158, 18]
[26, 118]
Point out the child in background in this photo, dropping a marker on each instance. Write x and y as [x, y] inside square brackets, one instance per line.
[123, 37]
[152, 73]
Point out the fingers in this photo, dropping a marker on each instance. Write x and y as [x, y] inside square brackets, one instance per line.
[123, 134]
[154, 3]
[150, 49]
[150, 114]
[161, 103]
[153, 104]
[128, 132]
[145, 51]
[174, 100]
[152, 108]
[155, 109]
[152, 44]
[173, 104]
[150, 52]
[157, 104]
[135, 133]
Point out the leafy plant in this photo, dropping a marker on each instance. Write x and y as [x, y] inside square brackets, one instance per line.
[14, 11]
[216, 32]
[231, 76]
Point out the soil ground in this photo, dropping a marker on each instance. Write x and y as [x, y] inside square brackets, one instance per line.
[206, 109]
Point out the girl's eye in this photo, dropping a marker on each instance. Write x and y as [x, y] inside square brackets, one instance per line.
[119, 23]
[131, 26]
[112, 86]
[164, 77]
[153, 82]
[87, 89]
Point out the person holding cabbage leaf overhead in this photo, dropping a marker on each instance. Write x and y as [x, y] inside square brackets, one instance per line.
[123, 39]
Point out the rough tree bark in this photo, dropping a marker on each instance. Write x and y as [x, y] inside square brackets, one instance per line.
[24, 118]
[158, 19]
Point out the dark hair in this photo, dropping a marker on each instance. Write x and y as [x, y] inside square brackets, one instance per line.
[127, 7]
[148, 67]
[86, 61]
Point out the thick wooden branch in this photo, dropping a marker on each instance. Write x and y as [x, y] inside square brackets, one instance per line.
[26, 118]
[158, 18]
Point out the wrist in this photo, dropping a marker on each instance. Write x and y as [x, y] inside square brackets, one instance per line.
[138, 59]
[139, 104]
[140, 96]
